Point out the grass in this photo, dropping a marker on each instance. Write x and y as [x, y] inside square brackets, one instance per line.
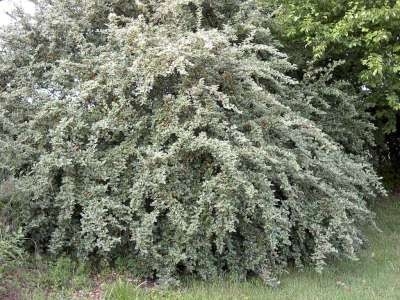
[375, 276]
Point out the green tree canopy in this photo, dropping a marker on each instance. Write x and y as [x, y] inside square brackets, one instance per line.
[363, 33]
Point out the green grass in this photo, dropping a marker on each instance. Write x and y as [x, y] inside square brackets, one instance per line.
[375, 276]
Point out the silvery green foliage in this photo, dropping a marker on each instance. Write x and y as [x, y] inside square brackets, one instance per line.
[157, 130]
[335, 107]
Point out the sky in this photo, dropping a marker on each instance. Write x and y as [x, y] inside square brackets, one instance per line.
[8, 5]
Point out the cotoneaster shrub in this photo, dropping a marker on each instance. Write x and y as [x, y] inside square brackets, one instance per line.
[334, 105]
[160, 131]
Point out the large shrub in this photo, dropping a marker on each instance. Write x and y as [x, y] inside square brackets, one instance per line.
[335, 106]
[160, 131]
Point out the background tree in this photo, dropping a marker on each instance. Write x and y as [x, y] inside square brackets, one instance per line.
[364, 34]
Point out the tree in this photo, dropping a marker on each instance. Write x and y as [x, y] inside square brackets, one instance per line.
[168, 132]
[363, 33]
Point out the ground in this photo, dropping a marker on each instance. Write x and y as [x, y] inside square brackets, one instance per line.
[376, 275]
